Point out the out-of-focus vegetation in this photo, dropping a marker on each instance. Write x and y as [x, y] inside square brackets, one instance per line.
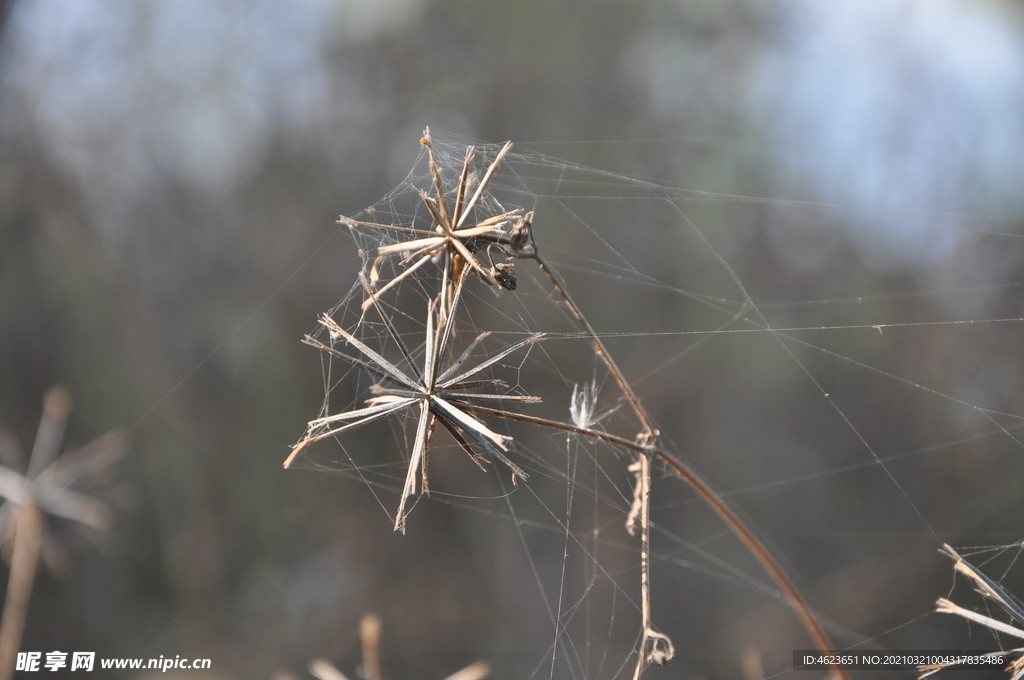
[170, 173]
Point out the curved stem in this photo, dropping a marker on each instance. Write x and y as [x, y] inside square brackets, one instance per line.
[624, 386]
[738, 527]
[647, 446]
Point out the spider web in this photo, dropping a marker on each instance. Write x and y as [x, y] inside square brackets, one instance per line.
[859, 416]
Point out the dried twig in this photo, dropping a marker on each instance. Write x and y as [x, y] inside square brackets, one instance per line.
[369, 635]
[993, 592]
[28, 528]
[44, 489]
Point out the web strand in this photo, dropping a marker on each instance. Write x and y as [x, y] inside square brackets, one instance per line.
[610, 233]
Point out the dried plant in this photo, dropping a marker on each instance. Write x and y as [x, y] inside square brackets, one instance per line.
[440, 394]
[461, 244]
[992, 592]
[45, 489]
[369, 635]
[460, 249]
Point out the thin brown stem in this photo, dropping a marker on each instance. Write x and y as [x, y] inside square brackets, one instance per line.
[27, 539]
[738, 527]
[647, 439]
[56, 408]
[634, 402]
[393, 282]
[435, 176]
[655, 647]
[483, 183]
[650, 638]
[369, 635]
[28, 528]
[760, 552]
[460, 193]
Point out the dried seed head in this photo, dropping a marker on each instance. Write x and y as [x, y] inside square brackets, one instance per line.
[505, 274]
[520, 235]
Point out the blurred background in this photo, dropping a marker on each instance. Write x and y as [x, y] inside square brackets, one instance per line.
[170, 177]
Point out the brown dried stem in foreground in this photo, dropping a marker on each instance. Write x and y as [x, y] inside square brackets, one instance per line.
[44, 490]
